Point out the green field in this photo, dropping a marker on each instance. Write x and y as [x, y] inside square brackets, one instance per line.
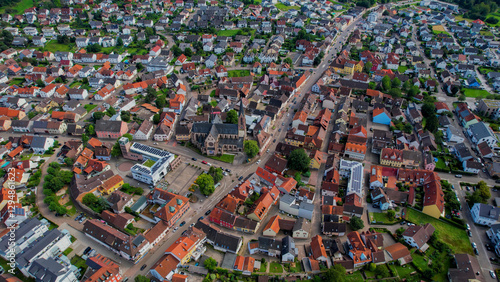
[16, 81]
[381, 217]
[474, 93]
[355, 277]
[19, 7]
[494, 15]
[149, 163]
[441, 164]
[275, 267]
[228, 33]
[238, 73]
[455, 237]
[223, 158]
[89, 107]
[284, 7]
[53, 46]
[402, 69]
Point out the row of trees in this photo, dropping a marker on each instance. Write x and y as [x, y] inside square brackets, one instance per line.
[54, 181]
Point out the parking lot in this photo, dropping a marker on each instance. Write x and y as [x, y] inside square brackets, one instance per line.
[180, 179]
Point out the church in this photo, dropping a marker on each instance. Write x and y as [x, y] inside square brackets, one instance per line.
[217, 138]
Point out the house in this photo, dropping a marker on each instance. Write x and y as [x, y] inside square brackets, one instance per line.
[472, 166]
[40, 145]
[262, 206]
[467, 269]
[400, 253]
[480, 132]
[276, 164]
[484, 214]
[144, 132]
[357, 250]
[417, 236]
[454, 135]
[110, 129]
[381, 116]
[173, 206]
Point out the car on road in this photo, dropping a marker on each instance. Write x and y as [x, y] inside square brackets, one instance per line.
[208, 212]
[492, 274]
[474, 245]
[87, 250]
[453, 187]
[279, 130]
[458, 175]
[469, 233]
[192, 224]
[155, 143]
[476, 252]
[468, 226]
[258, 162]
[228, 170]
[182, 223]
[175, 229]
[240, 178]
[82, 219]
[488, 247]
[142, 267]
[204, 162]
[274, 141]
[201, 217]
[467, 187]
[194, 159]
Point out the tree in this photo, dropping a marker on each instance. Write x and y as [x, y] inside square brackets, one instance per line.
[432, 123]
[141, 278]
[156, 119]
[251, 148]
[391, 214]
[91, 130]
[316, 61]
[356, 223]
[129, 136]
[414, 90]
[216, 173]
[396, 82]
[372, 267]
[335, 273]
[176, 50]
[40, 83]
[368, 67]
[210, 264]
[188, 52]
[98, 115]
[161, 101]
[288, 61]
[111, 111]
[461, 98]
[68, 161]
[89, 199]
[406, 85]
[299, 160]
[116, 151]
[206, 184]
[85, 138]
[125, 116]
[428, 109]
[395, 92]
[150, 94]
[232, 117]
[386, 83]
[483, 190]
[381, 271]
[119, 42]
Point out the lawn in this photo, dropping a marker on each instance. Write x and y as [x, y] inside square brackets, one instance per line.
[405, 270]
[455, 237]
[437, 29]
[19, 7]
[228, 33]
[75, 84]
[355, 277]
[402, 69]
[53, 46]
[238, 73]
[441, 164]
[263, 267]
[284, 7]
[423, 262]
[381, 217]
[79, 262]
[486, 33]
[149, 163]
[68, 250]
[89, 107]
[474, 93]
[460, 18]
[494, 15]
[485, 70]
[223, 158]
[275, 267]
[16, 81]
[296, 269]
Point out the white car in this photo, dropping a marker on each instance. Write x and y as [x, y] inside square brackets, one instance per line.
[474, 245]
[468, 226]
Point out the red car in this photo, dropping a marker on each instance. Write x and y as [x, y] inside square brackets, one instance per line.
[204, 162]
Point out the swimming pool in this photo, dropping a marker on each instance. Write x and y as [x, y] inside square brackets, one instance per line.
[5, 164]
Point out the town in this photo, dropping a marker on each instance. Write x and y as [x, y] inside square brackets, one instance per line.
[273, 140]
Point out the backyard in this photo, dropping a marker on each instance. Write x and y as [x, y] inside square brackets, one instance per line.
[89, 107]
[228, 33]
[53, 46]
[402, 69]
[424, 262]
[455, 237]
[475, 93]
[238, 73]
[16, 81]
[284, 7]
[275, 267]
[381, 217]
[19, 7]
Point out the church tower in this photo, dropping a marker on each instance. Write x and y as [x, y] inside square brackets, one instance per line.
[242, 132]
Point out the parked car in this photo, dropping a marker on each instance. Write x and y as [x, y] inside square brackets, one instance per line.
[82, 219]
[474, 245]
[201, 217]
[476, 252]
[87, 250]
[468, 226]
[194, 159]
[142, 267]
[458, 175]
[204, 162]
[182, 223]
[208, 212]
[469, 233]
[192, 224]
[492, 274]
[175, 229]
[228, 170]
[240, 178]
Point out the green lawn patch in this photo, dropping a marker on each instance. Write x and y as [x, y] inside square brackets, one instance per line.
[19, 7]
[275, 267]
[294, 269]
[223, 158]
[75, 84]
[381, 217]
[238, 73]
[53, 46]
[263, 267]
[405, 270]
[16, 81]
[493, 15]
[474, 93]
[402, 69]
[441, 164]
[79, 262]
[68, 250]
[485, 70]
[284, 7]
[228, 33]
[149, 163]
[486, 33]
[355, 277]
[455, 237]
[89, 107]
